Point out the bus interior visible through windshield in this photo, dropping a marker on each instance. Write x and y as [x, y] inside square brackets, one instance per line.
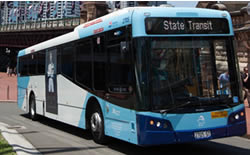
[190, 72]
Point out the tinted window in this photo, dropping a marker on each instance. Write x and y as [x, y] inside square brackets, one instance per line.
[99, 63]
[23, 66]
[59, 61]
[67, 61]
[41, 62]
[83, 63]
[32, 64]
[120, 71]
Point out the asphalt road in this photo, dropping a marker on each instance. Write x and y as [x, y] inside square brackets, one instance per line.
[52, 137]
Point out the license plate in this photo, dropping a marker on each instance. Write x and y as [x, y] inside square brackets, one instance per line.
[219, 114]
[202, 134]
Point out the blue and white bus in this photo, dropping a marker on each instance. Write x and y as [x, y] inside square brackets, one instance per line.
[148, 76]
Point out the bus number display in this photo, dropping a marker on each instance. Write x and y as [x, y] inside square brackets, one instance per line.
[186, 26]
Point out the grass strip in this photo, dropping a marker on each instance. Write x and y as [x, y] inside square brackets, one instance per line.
[5, 148]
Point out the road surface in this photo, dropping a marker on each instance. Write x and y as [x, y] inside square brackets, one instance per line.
[52, 137]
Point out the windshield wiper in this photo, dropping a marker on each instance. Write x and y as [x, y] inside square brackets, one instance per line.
[220, 100]
[164, 111]
[190, 100]
[201, 101]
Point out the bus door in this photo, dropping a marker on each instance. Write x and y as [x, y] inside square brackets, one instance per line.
[51, 82]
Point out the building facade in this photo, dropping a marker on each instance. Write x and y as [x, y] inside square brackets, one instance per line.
[113, 5]
[241, 23]
[13, 12]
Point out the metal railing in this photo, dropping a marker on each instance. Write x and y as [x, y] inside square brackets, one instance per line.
[41, 25]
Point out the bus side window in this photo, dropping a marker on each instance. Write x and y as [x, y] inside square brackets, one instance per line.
[23, 66]
[99, 63]
[58, 60]
[83, 63]
[41, 63]
[120, 72]
[32, 64]
[67, 61]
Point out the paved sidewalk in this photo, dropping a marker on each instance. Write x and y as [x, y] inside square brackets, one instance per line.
[247, 117]
[17, 141]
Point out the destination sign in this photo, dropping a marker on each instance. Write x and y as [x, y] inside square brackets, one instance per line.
[186, 25]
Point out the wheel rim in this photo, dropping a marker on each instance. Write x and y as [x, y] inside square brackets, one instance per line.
[32, 108]
[96, 122]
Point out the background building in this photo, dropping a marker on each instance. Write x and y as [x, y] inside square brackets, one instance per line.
[24, 11]
[124, 4]
[241, 23]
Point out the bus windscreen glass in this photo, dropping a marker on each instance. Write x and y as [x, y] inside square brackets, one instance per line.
[193, 71]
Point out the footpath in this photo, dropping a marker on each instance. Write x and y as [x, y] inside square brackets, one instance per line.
[248, 118]
[8, 94]
[19, 144]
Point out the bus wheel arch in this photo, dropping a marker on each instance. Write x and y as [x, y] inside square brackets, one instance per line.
[32, 106]
[95, 121]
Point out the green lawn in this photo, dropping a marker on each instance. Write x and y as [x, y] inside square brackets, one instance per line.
[5, 148]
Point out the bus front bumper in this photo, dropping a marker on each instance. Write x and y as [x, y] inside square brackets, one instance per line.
[151, 136]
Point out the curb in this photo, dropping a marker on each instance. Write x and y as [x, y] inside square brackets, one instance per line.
[242, 138]
[19, 144]
[8, 101]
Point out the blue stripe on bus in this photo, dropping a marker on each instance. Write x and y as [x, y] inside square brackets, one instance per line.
[193, 121]
[82, 122]
[22, 87]
[119, 122]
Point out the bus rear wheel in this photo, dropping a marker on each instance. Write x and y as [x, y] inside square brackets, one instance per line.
[97, 126]
[32, 109]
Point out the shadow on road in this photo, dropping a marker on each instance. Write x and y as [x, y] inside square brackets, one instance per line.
[196, 148]
[63, 127]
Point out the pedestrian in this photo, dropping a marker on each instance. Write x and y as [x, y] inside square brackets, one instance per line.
[8, 69]
[224, 80]
[14, 71]
[246, 84]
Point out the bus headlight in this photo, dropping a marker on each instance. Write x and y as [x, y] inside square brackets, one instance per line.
[159, 124]
[236, 117]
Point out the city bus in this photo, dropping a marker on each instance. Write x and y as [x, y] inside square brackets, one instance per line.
[144, 75]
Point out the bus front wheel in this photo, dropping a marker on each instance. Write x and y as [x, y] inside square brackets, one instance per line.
[97, 126]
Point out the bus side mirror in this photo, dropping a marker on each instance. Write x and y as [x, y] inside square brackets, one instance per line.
[124, 47]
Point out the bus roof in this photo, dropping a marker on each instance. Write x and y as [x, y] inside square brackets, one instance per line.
[123, 17]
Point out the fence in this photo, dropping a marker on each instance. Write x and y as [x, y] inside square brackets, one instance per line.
[42, 24]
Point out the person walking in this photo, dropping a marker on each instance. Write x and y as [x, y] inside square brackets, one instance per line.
[246, 84]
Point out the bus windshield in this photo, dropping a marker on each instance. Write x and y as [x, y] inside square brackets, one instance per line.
[188, 71]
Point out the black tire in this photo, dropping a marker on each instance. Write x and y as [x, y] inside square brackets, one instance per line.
[96, 123]
[32, 108]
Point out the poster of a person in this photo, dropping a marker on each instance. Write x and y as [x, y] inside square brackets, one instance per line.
[51, 71]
